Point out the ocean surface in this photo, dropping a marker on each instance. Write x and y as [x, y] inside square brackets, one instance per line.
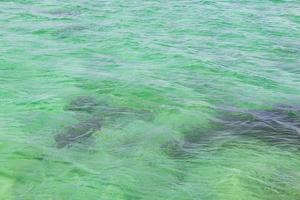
[150, 100]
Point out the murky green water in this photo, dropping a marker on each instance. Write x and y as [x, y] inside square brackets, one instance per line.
[196, 100]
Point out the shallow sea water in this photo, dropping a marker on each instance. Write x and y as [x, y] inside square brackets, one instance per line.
[196, 99]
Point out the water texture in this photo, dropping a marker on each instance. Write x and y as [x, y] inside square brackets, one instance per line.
[150, 100]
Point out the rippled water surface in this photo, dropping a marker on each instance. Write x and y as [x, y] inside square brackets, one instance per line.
[150, 100]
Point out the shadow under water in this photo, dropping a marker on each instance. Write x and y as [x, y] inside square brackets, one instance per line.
[78, 133]
[97, 112]
[278, 127]
[84, 104]
[107, 111]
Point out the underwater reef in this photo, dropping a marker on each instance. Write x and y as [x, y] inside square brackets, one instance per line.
[92, 114]
[278, 127]
[78, 132]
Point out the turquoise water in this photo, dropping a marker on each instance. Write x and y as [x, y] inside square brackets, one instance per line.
[196, 100]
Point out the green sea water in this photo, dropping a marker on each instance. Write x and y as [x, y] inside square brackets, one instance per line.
[159, 71]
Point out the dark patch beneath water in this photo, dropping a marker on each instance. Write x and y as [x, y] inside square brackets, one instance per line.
[106, 110]
[174, 149]
[98, 112]
[64, 12]
[278, 127]
[84, 104]
[78, 133]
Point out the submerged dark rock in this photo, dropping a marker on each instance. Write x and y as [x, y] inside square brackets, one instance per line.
[278, 127]
[108, 112]
[174, 149]
[95, 109]
[78, 133]
[84, 104]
